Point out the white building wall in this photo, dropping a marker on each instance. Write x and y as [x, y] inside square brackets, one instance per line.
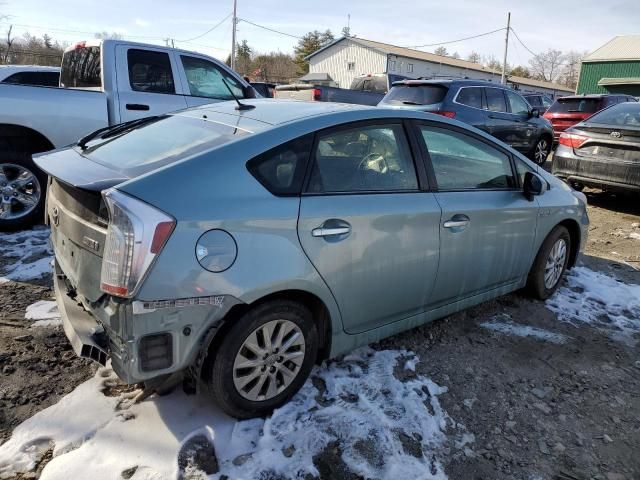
[421, 68]
[335, 59]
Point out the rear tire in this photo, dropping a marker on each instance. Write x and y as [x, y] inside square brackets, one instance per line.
[540, 151]
[256, 390]
[550, 264]
[22, 191]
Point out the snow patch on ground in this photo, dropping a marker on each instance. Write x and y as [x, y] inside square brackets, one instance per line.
[357, 403]
[44, 313]
[511, 328]
[28, 254]
[599, 300]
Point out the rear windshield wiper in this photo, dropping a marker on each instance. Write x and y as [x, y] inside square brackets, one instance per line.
[112, 130]
[409, 102]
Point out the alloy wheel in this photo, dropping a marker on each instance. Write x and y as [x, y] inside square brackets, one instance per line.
[555, 263]
[541, 152]
[20, 191]
[269, 360]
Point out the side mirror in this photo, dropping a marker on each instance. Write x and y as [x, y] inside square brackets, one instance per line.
[534, 113]
[534, 185]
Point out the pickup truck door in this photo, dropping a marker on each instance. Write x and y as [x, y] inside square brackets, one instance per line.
[204, 80]
[147, 83]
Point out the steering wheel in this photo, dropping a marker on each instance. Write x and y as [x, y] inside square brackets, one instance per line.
[376, 158]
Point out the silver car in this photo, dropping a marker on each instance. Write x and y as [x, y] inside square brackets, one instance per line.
[239, 245]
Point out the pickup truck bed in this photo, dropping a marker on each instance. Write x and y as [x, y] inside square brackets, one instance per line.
[327, 94]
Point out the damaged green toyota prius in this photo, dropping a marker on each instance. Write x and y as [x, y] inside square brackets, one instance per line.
[238, 245]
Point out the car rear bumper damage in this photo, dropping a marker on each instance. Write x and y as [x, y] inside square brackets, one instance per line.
[143, 339]
[83, 331]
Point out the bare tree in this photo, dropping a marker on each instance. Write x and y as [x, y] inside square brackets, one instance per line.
[571, 71]
[442, 51]
[474, 57]
[9, 44]
[455, 55]
[547, 65]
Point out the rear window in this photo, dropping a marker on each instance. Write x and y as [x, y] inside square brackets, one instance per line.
[416, 95]
[160, 142]
[81, 68]
[45, 79]
[574, 105]
[622, 115]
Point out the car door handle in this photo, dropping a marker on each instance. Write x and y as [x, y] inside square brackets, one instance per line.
[457, 221]
[329, 232]
[137, 106]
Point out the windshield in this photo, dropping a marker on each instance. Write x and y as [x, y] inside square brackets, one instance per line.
[623, 114]
[415, 95]
[571, 105]
[164, 140]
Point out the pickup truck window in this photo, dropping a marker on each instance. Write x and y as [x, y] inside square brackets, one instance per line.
[81, 68]
[150, 71]
[205, 80]
[167, 139]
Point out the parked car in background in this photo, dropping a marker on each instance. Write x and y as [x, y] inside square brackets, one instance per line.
[240, 249]
[105, 82]
[265, 89]
[602, 151]
[538, 100]
[567, 111]
[364, 90]
[496, 109]
[30, 75]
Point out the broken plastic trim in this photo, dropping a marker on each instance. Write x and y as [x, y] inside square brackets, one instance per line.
[140, 306]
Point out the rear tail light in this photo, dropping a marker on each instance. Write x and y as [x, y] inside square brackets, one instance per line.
[135, 235]
[572, 140]
[317, 93]
[445, 113]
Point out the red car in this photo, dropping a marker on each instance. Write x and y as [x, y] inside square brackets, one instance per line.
[568, 111]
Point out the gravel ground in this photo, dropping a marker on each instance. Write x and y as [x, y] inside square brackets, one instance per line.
[561, 403]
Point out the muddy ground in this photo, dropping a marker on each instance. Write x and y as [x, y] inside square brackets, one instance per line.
[536, 409]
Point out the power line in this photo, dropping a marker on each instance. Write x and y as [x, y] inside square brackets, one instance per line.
[459, 39]
[64, 30]
[270, 29]
[522, 43]
[208, 31]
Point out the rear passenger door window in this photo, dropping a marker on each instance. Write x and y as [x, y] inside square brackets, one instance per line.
[462, 162]
[150, 87]
[150, 71]
[471, 97]
[363, 158]
[495, 100]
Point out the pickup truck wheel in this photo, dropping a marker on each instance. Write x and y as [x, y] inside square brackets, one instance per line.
[263, 360]
[550, 264]
[22, 191]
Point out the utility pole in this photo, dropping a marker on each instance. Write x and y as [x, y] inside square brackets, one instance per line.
[233, 36]
[503, 80]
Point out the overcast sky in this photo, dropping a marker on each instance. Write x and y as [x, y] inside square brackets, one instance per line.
[542, 24]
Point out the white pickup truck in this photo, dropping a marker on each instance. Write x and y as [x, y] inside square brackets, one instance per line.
[102, 83]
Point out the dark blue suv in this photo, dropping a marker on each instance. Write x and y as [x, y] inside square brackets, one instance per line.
[494, 108]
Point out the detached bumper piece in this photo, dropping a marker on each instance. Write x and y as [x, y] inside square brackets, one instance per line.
[83, 331]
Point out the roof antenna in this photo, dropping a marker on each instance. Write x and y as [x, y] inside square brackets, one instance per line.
[241, 106]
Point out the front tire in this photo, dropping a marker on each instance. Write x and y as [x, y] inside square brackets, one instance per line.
[263, 360]
[550, 264]
[22, 191]
[540, 151]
